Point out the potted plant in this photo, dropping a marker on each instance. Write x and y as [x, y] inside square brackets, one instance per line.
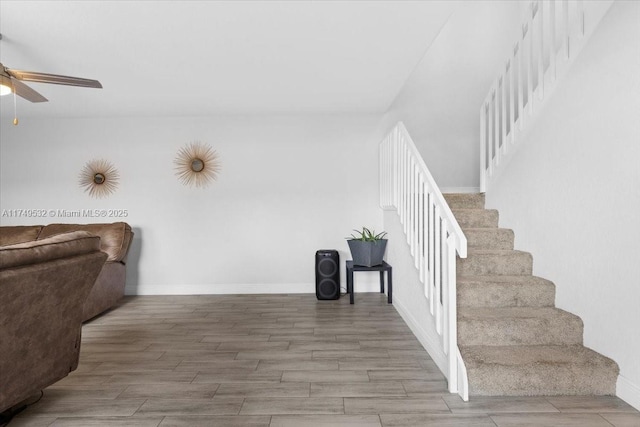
[367, 247]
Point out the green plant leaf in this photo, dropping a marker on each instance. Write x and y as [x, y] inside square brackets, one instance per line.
[367, 235]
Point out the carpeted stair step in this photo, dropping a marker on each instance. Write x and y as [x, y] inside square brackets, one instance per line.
[518, 326]
[513, 341]
[505, 291]
[489, 238]
[483, 262]
[465, 201]
[538, 371]
[476, 218]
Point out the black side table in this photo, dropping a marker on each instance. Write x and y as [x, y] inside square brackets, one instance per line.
[381, 268]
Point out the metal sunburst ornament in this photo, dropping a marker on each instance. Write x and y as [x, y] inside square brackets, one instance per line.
[99, 178]
[197, 164]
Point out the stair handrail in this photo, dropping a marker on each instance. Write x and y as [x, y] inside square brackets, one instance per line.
[433, 235]
[554, 33]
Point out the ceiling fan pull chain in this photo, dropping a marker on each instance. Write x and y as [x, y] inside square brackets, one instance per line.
[15, 109]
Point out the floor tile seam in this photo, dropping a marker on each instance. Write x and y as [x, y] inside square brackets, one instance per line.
[606, 420]
[521, 412]
[139, 407]
[404, 388]
[551, 403]
[584, 411]
[601, 411]
[491, 415]
[444, 415]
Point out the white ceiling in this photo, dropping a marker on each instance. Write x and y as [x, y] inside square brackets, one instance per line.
[173, 58]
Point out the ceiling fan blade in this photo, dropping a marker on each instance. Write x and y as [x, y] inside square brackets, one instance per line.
[26, 92]
[32, 76]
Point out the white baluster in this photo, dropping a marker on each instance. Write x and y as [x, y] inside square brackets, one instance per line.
[416, 226]
[490, 140]
[580, 12]
[431, 252]
[445, 291]
[403, 157]
[382, 175]
[390, 172]
[404, 184]
[496, 124]
[436, 270]
[452, 320]
[512, 102]
[387, 173]
[483, 147]
[396, 170]
[520, 86]
[541, 50]
[552, 40]
[503, 113]
[412, 212]
[530, 61]
[407, 158]
[421, 215]
[427, 248]
[565, 26]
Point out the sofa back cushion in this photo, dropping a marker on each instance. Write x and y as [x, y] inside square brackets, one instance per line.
[18, 234]
[115, 237]
[55, 247]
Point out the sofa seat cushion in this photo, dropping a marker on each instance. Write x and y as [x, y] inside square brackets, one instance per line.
[55, 247]
[10, 235]
[114, 237]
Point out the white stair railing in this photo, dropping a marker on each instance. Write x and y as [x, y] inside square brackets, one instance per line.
[552, 36]
[433, 235]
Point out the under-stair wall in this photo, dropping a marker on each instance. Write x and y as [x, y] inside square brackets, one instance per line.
[571, 193]
[408, 294]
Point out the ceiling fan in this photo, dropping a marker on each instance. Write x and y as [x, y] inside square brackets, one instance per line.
[12, 81]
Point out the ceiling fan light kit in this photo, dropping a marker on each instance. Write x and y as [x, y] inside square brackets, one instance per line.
[5, 85]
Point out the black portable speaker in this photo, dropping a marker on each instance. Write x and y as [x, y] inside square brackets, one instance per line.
[327, 274]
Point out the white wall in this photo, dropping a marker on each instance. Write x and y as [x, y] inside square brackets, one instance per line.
[572, 193]
[288, 187]
[440, 102]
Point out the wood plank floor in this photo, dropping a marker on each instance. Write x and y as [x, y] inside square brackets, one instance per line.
[277, 360]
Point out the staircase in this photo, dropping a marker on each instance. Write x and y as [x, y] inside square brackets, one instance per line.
[512, 338]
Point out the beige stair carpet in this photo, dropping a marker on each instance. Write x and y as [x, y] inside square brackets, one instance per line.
[513, 340]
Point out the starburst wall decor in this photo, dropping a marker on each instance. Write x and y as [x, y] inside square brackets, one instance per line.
[197, 164]
[99, 178]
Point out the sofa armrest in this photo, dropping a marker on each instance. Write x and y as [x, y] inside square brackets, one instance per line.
[42, 306]
[115, 238]
[10, 235]
[56, 247]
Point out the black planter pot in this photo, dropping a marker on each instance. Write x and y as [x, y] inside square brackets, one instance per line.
[367, 253]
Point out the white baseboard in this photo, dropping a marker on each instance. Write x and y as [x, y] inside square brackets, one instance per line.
[628, 391]
[213, 289]
[423, 336]
[235, 288]
[469, 190]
